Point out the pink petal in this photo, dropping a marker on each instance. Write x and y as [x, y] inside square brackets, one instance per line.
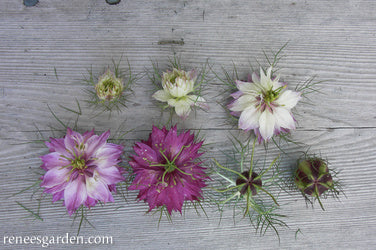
[144, 151]
[53, 160]
[98, 190]
[54, 177]
[75, 194]
[90, 202]
[56, 145]
[157, 137]
[69, 142]
[58, 196]
[236, 94]
[110, 175]
[95, 142]
[88, 134]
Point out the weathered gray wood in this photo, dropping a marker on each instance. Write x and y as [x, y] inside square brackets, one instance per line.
[334, 40]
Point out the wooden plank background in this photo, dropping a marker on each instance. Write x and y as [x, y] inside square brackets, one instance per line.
[333, 40]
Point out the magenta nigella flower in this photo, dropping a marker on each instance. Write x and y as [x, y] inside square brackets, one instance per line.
[81, 169]
[166, 170]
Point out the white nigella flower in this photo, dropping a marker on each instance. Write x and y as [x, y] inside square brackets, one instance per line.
[264, 105]
[177, 85]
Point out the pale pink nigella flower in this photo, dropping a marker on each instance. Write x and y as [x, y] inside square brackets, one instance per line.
[264, 105]
[166, 169]
[81, 169]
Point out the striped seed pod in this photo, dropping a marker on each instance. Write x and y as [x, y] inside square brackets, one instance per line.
[250, 181]
[312, 177]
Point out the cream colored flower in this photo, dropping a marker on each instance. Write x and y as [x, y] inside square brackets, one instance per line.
[177, 85]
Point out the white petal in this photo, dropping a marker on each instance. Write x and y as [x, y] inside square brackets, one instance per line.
[242, 103]
[269, 72]
[172, 102]
[161, 95]
[198, 101]
[255, 78]
[249, 118]
[190, 85]
[288, 99]
[276, 84]
[246, 87]
[181, 87]
[183, 107]
[283, 118]
[263, 78]
[267, 123]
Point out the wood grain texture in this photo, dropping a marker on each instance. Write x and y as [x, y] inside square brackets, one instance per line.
[332, 40]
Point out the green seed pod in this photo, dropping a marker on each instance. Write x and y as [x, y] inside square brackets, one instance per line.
[312, 177]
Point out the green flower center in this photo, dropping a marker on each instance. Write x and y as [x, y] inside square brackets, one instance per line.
[169, 167]
[108, 84]
[271, 95]
[79, 164]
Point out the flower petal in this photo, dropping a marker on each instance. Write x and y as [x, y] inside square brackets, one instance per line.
[75, 194]
[267, 123]
[53, 160]
[198, 101]
[96, 189]
[249, 118]
[95, 142]
[183, 107]
[54, 177]
[242, 103]
[246, 87]
[181, 87]
[57, 145]
[288, 99]
[161, 95]
[255, 78]
[110, 175]
[283, 118]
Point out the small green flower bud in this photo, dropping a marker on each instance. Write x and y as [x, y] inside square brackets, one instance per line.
[312, 176]
[109, 87]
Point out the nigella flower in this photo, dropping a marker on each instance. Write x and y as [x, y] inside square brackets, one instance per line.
[166, 169]
[177, 86]
[264, 105]
[81, 169]
[109, 87]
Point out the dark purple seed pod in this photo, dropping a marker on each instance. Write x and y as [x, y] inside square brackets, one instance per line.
[312, 177]
[249, 181]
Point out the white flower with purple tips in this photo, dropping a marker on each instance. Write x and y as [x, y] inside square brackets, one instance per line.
[264, 105]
